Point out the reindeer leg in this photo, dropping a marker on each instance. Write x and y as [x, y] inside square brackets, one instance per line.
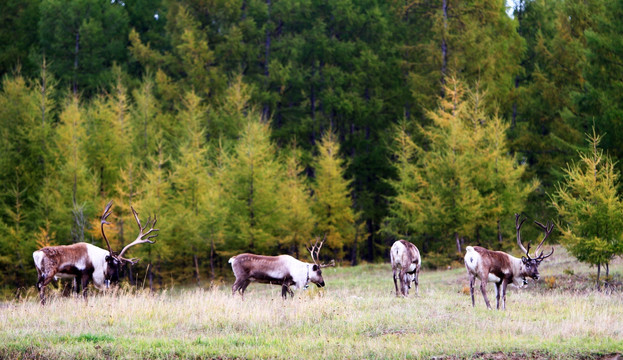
[243, 287]
[472, 280]
[85, 284]
[406, 281]
[497, 294]
[42, 284]
[395, 282]
[417, 281]
[504, 284]
[284, 290]
[483, 289]
[237, 287]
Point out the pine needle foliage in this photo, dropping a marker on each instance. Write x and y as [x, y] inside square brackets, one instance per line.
[461, 183]
[332, 201]
[589, 207]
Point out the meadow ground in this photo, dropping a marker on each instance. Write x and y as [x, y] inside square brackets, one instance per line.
[357, 316]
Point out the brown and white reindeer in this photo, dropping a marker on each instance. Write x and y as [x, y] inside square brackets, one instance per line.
[406, 263]
[503, 269]
[86, 262]
[281, 270]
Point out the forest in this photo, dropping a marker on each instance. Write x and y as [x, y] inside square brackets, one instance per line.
[261, 125]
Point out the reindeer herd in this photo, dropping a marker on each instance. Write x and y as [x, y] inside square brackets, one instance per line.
[88, 263]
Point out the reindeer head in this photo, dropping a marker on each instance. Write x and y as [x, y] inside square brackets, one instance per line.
[531, 265]
[116, 261]
[315, 273]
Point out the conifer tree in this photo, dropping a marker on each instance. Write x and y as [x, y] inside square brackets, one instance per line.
[23, 164]
[590, 209]
[332, 200]
[73, 186]
[462, 184]
[298, 222]
[153, 199]
[251, 182]
[187, 201]
[602, 98]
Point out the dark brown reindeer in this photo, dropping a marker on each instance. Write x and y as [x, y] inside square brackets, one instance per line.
[503, 269]
[86, 262]
[406, 263]
[283, 270]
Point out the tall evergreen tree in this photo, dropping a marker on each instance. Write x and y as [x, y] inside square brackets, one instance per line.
[601, 100]
[82, 40]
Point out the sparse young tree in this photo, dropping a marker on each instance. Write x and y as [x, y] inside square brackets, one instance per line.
[332, 199]
[590, 209]
[298, 222]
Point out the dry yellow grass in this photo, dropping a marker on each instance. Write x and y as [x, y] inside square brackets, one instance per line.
[355, 316]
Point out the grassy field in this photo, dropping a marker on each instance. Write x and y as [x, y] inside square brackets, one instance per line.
[355, 316]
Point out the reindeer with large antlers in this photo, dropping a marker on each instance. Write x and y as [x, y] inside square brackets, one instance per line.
[87, 262]
[283, 270]
[504, 269]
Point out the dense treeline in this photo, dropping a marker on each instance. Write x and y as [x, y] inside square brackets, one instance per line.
[257, 125]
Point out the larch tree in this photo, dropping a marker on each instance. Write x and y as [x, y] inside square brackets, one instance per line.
[295, 198]
[74, 186]
[461, 183]
[189, 185]
[23, 164]
[251, 180]
[333, 206]
[590, 209]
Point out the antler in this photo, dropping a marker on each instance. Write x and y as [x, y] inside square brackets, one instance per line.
[518, 227]
[143, 237]
[547, 229]
[104, 221]
[315, 249]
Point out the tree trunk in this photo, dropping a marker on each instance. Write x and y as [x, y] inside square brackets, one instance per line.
[458, 243]
[354, 250]
[444, 47]
[150, 276]
[197, 275]
[212, 258]
[598, 276]
[77, 49]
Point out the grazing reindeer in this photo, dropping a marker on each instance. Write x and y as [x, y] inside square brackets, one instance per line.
[503, 269]
[87, 262]
[281, 270]
[406, 261]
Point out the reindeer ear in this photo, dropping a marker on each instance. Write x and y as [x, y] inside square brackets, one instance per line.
[108, 257]
[315, 267]
[524, 259]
